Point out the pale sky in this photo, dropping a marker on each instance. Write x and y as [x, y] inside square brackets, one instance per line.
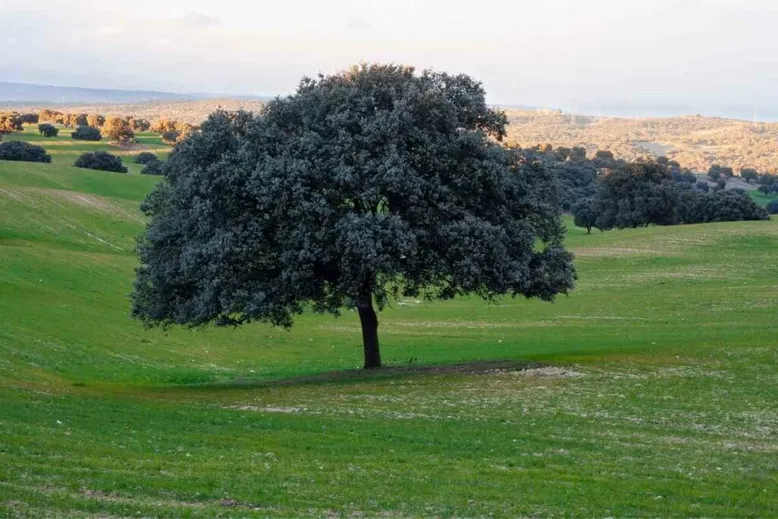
[595, 56]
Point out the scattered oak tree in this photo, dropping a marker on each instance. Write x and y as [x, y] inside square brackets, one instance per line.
[95, 120]
[10, 122]
[102, 161]
[365, 185]
[145, 157]
[585, 214]
[23, 152]
[48, 130]
[86, 133]
[153, 168]
[749, 174]
[170, 137]
[29, 118]
[118, 129]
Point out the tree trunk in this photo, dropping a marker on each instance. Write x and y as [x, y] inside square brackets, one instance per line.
[369, 320]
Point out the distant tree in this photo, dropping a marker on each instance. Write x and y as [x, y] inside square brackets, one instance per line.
[170, 137]
[48, 130]
[772, 207]
[23, 151]
[50, 116]
[74, 120]
[721, 184]
[626, 195]
[10, 122]
[373, 183]
[163, 125]
[118, 130]
[716, 172]
[703, 186]
[86, 133]
[184, 130]
[95, 120]
[749, 174]
[145, 157]
[29, 118]
[140, 125]
[585, 214]
[729, 206]
[604, 155]
[102, 161]
[153, 168]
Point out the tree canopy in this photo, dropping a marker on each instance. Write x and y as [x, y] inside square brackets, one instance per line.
[48, 130]
[370, 184]
[86, 133]
[100, 160]
[118, 129]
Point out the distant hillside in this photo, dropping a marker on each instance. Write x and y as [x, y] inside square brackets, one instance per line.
[29, 93]
[694, 141]
[190, 111]
[32, 93]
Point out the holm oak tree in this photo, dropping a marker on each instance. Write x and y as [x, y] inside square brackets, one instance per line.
[362, 186]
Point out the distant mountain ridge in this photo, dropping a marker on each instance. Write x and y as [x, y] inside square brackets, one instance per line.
[11, 92]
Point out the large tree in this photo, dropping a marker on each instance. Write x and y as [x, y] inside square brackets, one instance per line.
[370, 184]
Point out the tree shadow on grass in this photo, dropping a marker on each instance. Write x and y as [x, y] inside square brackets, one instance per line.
[369, 375]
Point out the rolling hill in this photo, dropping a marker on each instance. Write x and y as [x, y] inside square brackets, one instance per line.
[649, 391]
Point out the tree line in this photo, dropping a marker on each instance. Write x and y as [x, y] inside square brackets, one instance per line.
[651, 192]
[94, 127]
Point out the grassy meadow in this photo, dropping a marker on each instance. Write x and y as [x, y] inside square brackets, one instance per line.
[651, 390]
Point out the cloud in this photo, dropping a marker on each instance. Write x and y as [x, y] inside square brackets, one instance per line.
[357, 23]
[109, 30]
[197, 21]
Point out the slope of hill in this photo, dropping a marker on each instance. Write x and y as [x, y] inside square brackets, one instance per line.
[694, 141]
[652, 393]
[33, 93]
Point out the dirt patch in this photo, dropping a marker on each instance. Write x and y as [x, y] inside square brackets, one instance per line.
[362, 375]
[612, 252]
[548, 371]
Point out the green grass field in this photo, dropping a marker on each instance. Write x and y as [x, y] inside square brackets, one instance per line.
[652, 390]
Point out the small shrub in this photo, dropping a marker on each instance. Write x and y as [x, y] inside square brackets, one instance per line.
[48, 130]
[86, 133]
[153, 168]
[772, 207]
[23, 151]
[145, 158]
[102, 161]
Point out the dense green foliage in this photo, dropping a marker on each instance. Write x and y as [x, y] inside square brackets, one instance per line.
[370, 184]
[649, 192]
[585, 214]
[23, 151]
[153, 167]
[772, 207]
[48, 130]
[145, 157]
[101, 160]
[86, 133]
